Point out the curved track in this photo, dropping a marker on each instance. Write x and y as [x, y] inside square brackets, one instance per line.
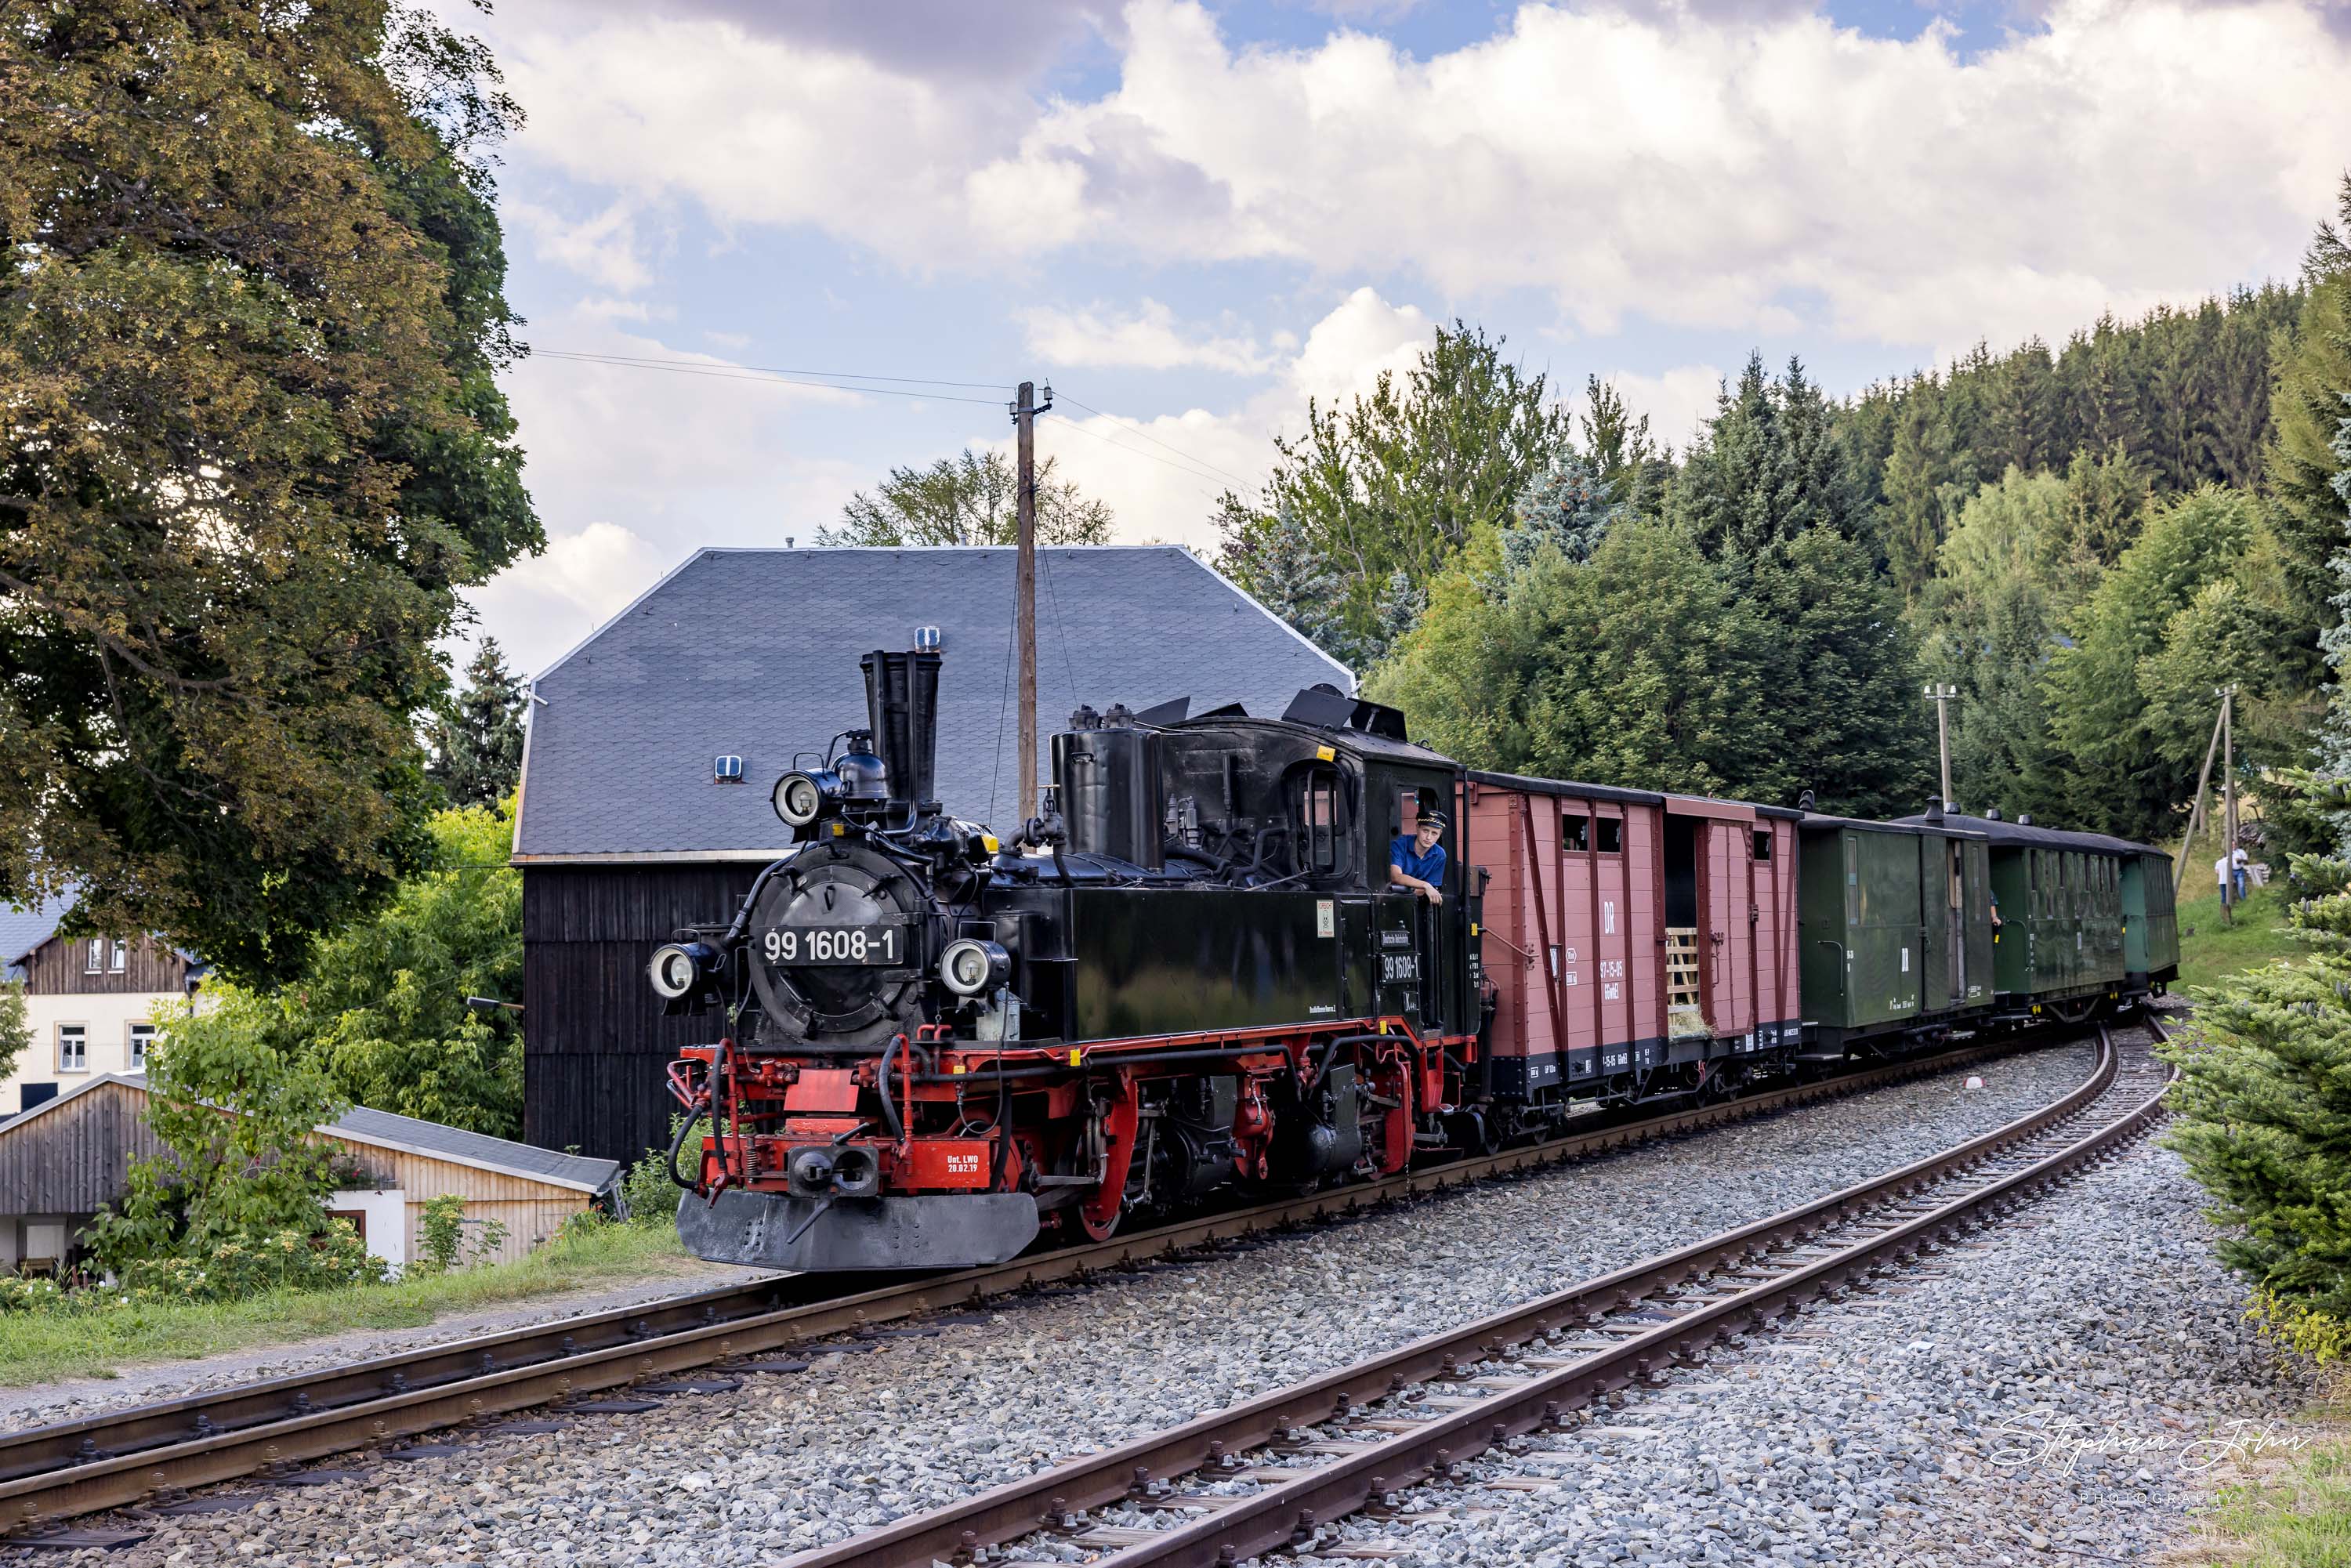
[1272, 1474]
[53, 1473]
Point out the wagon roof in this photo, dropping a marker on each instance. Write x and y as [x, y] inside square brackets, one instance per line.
[2002, 831]
[1913, 826]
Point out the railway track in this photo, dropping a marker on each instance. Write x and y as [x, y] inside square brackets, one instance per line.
[1276, 1473]
[54, 1473]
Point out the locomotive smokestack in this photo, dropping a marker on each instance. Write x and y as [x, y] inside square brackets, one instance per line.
[901, 701]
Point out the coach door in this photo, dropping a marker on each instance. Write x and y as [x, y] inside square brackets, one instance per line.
[1955, 929]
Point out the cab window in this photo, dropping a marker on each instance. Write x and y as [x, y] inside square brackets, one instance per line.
[1318, 818]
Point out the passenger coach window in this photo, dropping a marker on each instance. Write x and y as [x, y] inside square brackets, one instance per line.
[1762, 844]
[1612, 836]
[1575, 833]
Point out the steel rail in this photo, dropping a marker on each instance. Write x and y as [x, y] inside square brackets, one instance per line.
[67, 1469]
[1286, 1514]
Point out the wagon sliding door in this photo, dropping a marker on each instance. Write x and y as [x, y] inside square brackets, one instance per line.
[1710, 887]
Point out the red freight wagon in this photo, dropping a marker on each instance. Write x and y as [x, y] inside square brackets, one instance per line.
[1625, 930]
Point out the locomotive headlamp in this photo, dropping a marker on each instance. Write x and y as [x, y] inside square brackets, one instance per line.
[677, 968]
[802, 797]
[970, 967]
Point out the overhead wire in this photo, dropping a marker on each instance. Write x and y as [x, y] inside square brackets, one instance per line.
[1061, 394]
[1069, 424]
[723, 371]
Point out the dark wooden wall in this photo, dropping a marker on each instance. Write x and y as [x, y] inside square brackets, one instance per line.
[595, 1044]
[55, 968]
[75, 1158]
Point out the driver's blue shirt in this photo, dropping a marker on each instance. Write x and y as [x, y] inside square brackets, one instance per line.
[1406, 857]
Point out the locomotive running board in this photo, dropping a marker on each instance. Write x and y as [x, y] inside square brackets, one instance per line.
[773, 1230]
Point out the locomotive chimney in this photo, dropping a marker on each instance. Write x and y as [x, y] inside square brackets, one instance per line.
[901, 700]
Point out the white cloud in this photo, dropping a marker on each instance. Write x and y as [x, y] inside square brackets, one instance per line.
[601, 249]
[1161, 476]
[633, 467]
[1721, 171]
[758, 129]
[1147, 337]
[540, 608]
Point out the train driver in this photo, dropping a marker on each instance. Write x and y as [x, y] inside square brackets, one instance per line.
[1417, 860]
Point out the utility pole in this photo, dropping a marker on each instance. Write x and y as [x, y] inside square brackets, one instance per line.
[2229, 803]
[1025, 410]
[2196, 811]
[1941, 695]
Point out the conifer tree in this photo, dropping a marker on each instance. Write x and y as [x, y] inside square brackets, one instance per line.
[2313, 373]
[1766, 493]
[476, 738]
[1567, 507]
[2262, 1112]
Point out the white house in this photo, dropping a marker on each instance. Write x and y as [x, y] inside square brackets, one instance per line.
[92, 1002]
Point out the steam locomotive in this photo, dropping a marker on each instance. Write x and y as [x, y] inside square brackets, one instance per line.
[1189, 976]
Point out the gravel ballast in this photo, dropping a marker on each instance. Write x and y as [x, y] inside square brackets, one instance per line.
[2048, 1393]
[792, 1462]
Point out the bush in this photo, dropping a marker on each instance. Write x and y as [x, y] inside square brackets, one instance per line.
[440, 1231]
[648, 1195]
[20, 1294]
[288, 1259]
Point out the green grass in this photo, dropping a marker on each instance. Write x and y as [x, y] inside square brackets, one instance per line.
[2211, 947]
[97, 1342]
[2281, 1509]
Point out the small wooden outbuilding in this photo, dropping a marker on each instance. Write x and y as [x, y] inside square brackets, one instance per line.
[66, 1158]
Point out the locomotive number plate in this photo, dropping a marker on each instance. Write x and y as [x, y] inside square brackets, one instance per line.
[834, 944]
[1396, 969]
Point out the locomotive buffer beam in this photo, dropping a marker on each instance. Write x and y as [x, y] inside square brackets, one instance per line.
[771, 1230]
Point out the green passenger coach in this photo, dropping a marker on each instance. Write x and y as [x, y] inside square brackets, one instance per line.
[2085, 917]
[1896, 926]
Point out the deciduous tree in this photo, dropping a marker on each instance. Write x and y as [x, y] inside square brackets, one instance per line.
[1638, 667]
[1389, 488]
[253, 447]
[971, 499]
[379, 1009]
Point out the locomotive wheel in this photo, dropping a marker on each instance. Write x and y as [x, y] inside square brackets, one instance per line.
[1097, 1230]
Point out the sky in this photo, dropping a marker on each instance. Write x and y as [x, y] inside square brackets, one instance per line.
[1191, 219]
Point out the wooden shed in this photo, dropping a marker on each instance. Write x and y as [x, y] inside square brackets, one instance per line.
[64, 1160]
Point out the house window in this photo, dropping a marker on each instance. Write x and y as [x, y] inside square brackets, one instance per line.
[1762, 844]
[142, 1035]
[73, 1048]
[96, 961]
[1575, 833]
[1612, 836]
[119, 955]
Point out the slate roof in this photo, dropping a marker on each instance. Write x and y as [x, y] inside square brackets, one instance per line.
[384, 1130]
[362, 1125]
[753, 653]
[22, 929]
